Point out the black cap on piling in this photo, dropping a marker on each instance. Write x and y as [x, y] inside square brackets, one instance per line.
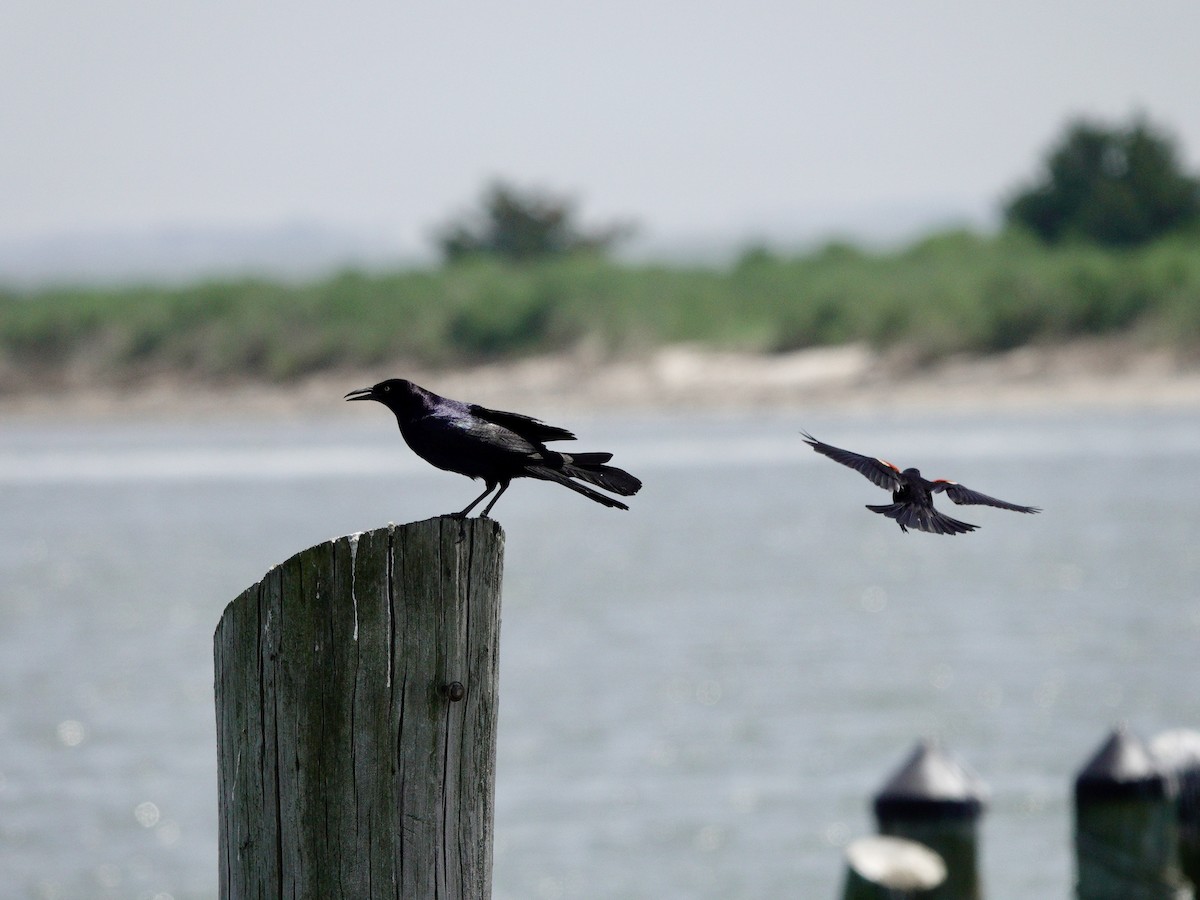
[1122, 769]
[931, 785]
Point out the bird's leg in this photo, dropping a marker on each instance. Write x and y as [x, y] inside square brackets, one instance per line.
[470, 506]
[487, 509]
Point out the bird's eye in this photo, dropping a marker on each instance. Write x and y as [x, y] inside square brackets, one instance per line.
[387, 387]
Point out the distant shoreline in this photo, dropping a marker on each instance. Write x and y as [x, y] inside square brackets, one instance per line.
[1102, 373]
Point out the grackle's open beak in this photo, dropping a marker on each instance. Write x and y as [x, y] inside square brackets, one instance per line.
[361, 394]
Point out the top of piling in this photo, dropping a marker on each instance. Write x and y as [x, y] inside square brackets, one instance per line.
[1177, 750]
[1122, 769]
[931, 784]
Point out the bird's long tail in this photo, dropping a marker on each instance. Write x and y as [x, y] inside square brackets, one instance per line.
[928, 519]
[563, 476]
[590, 467]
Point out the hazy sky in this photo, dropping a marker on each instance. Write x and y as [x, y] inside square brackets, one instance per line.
[690, 117]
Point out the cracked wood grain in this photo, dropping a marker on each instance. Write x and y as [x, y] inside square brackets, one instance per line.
[344, 768]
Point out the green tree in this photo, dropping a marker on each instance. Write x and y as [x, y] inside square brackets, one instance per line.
[1115, 186]
[522, 225]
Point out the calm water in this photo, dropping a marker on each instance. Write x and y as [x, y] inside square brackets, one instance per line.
[698, 697]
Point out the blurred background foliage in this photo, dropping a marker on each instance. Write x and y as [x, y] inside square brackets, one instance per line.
[516, 225]
[1117, 186]
[1105, 242]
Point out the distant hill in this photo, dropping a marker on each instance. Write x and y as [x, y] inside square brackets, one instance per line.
[176, 255]
[300, 251]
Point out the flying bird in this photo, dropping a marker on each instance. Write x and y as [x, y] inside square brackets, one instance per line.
[493, 445]
[912, 494]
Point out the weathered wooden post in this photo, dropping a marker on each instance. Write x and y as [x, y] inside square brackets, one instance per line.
[1126, 844]
[1178, 753]
[891, 868]
[356, 718]
[935, 800]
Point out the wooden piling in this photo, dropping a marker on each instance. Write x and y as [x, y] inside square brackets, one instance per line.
[1126, 845]
[935, 800]
[891, 868]
[1178, 753]
[356, 718]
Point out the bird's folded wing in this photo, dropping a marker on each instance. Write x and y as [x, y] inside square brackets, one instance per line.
[490, 438]
[881, 472]
[527, 427]
[967, 497]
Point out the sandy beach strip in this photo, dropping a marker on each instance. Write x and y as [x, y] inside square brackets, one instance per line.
[1105, 374]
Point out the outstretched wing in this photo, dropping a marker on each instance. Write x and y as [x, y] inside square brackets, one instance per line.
[967, 497]
[880, 471]
[529, 428]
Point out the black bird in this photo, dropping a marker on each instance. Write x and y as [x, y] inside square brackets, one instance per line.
[493, 445]
[912, 494]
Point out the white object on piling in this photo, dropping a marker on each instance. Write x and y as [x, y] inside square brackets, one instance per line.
[881, 866]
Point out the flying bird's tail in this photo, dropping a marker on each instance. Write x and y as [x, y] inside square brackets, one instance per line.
[927, 518]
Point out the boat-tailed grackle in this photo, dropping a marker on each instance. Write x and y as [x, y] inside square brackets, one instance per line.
[493, 445]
